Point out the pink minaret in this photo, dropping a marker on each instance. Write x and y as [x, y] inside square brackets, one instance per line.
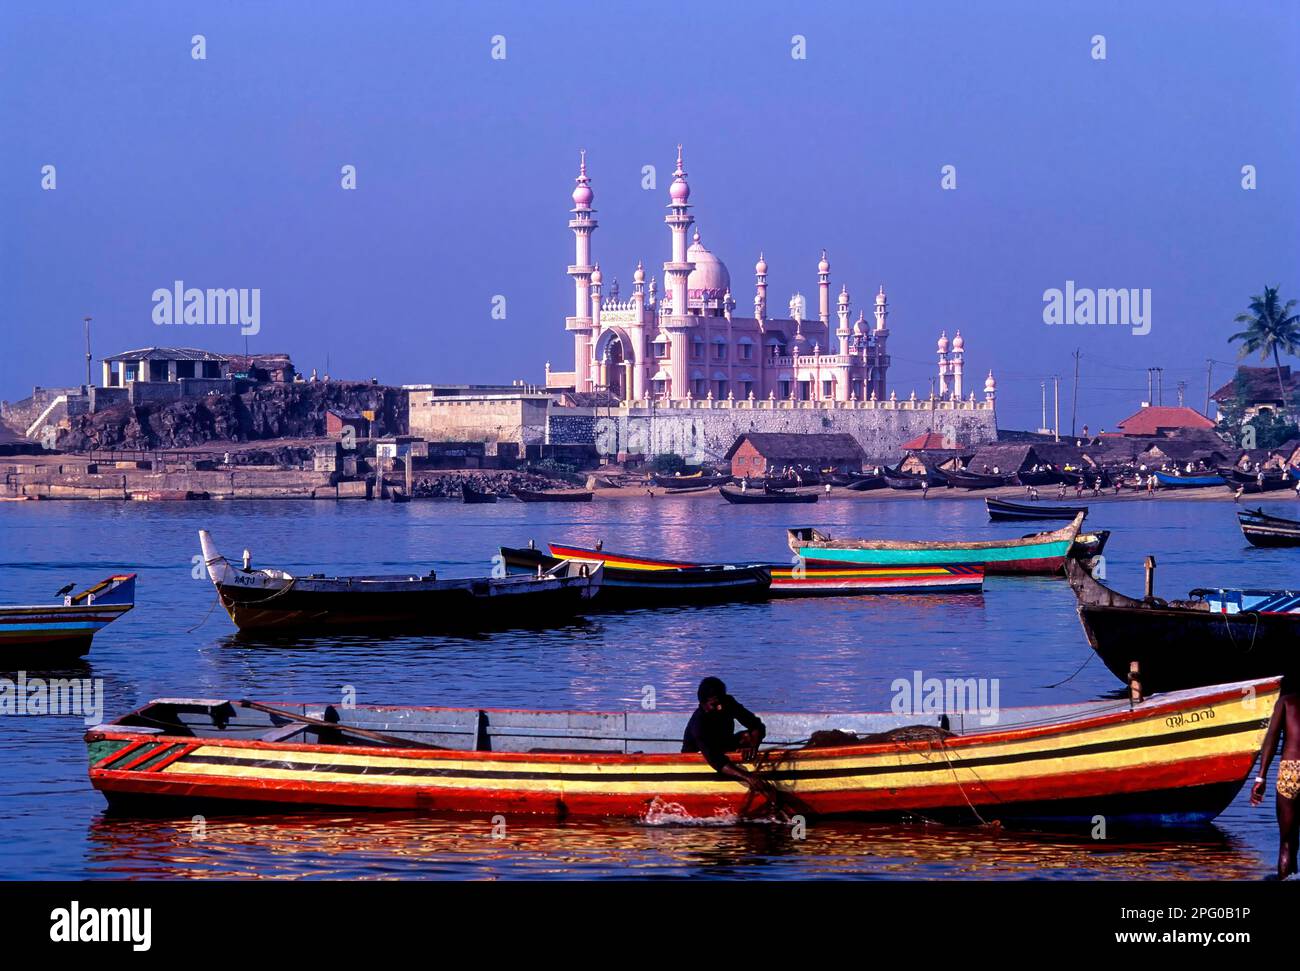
[760, 288]
[824, 288]
[679, 220]
[956, 365]
[943, 363]
[583, 225]
[676, 272]
[843, 331]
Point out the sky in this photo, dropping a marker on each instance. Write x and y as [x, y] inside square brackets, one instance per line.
[226, 172]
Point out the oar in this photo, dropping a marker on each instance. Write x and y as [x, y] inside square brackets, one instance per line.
[337, 726]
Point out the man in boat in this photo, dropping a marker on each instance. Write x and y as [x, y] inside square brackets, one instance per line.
[712, 732]
[1284, 724]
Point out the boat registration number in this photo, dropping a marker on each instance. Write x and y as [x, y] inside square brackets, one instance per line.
[1190, 718]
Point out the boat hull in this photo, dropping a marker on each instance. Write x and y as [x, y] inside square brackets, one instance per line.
[1172, 760]
[756, 498]
[805, 579]
[1168, 481]
[1003, 511]
[58, 633]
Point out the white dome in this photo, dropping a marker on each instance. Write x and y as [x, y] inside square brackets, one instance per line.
[710, 279]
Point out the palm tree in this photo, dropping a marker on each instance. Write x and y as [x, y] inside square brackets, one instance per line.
[1271, 328]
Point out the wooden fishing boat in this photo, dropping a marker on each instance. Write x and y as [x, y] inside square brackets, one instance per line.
[1002, 511]
[397, 495]
[866, 483]
[689, 490]
[1041, 477]
[689, 481]
[977, 480]
[1214, 636]
[1274, 480]
[907, 480]
[471, 495]
[1170, 760]
[1188, 481]
[804, 579]
[624, 587]
[1037, 553]
[273, 600]
[1261, 529]
[766, 495]
[526, 495]
[49, 634]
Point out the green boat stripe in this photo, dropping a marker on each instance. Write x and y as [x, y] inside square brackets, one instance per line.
[891, 557]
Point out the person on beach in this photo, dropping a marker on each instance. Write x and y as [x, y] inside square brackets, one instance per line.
[1285, 725]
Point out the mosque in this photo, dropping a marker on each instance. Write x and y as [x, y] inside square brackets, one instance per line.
[687, 344]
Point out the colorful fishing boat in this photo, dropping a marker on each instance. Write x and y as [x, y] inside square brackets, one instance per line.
[1002, 511]
[1214, 636]
[804, 579]
[622, 588]
[1170, 760]
[1262, 529]
[1037, 553]
[765, 496]
[275, 600]
[1171, 481]
[48, 634]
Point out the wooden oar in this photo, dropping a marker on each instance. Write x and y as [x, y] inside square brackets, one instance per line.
[337, 726]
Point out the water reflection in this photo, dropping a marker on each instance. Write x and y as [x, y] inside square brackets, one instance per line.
[382, 846]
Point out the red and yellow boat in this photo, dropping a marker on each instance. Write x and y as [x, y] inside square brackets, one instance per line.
[1175, 759]
[804, 578]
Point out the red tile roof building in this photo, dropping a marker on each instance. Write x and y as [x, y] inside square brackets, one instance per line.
[1164, 420]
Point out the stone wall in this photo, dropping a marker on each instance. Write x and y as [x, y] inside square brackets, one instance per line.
[519, 419]
[704, 433]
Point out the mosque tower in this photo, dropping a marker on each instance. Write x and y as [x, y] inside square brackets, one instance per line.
[955, 366]
[879, 336]
[824, 290]
[583, 225]
[676, 271]
[942, 348]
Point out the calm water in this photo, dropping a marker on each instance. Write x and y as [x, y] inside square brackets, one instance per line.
[811, 655]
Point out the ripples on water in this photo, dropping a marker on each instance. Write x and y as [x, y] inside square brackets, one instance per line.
[795, 655]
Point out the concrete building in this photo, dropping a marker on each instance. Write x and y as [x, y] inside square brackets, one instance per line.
[160, 364]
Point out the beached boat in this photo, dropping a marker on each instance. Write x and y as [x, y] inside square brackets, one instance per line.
[471, 495]
[1170, 481]
[689, 490]
[804, 579]
[47, 634]
[1216, 635]
[766, 495]
[1037, 553]
[865, 483]
[1002, 511]
[623, 587]
[271, 599]
[976, 480]
[527, 495]
[695, 479]
[1169, 760]
[1274, 480]
[1040, 477]
[1262, 529]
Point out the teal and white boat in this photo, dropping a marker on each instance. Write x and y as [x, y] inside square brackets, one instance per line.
[1037, 553]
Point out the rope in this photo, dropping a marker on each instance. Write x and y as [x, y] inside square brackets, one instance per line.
[1091, 655]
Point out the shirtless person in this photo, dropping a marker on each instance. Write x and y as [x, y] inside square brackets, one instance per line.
[1285, 723]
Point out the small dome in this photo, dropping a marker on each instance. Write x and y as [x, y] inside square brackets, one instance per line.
[679, 191]
[844, 296]
[582, 196]
[957, 342]
[760, 267]
[596, 277]
[943, 342]
[989, 384]
[639, 275]
[858, 329]
[824, 265]
[880, 297]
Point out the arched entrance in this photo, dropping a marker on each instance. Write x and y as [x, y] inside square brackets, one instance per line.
[615, 356]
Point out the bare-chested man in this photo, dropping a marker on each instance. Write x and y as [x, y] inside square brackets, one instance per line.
[1284, 724]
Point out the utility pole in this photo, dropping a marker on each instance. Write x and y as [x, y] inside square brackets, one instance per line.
[1074, 410]
[1056, 405]
[1150, 399]
[86, 321]
[1209, 383]
[1043, 387]
[1160, 385]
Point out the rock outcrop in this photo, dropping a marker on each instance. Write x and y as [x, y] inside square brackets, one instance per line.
[269, 411]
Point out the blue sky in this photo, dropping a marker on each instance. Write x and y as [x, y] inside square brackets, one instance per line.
[225, 172]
